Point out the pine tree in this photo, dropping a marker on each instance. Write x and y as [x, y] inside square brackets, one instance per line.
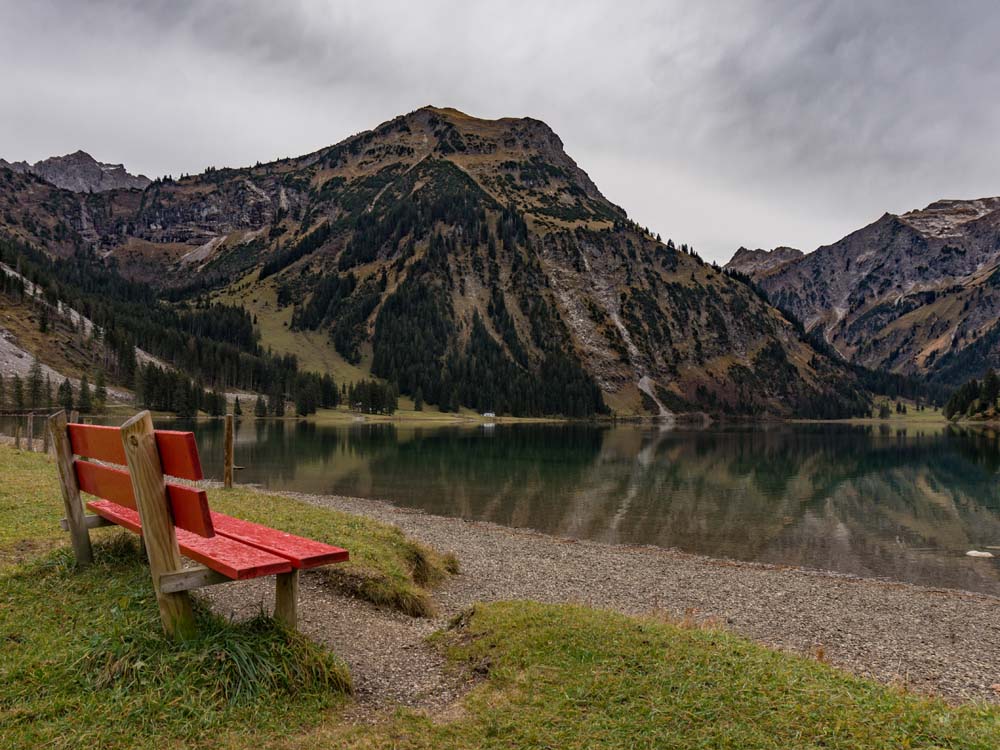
[990, 389]
[66, 395]
[85, 404]
[35, 383]
[18, 390]
[216, 404]
[260, 408]
[48, 392]
[237, 410]
[43, 323]
[183, 405]
[100, 391]
[418, 399]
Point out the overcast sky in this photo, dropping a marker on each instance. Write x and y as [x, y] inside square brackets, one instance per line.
[720, 124]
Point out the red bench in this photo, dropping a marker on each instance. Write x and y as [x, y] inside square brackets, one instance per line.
[173, 519]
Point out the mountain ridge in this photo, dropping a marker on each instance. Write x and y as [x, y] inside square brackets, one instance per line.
[79, 172]
[470, 261]
[916, 293]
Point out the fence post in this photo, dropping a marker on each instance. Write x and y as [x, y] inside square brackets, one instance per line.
[227, 474]
[74, 416]
[31, 433]
[73, 506]
[45, 442]
[157, 525]
[17, 435]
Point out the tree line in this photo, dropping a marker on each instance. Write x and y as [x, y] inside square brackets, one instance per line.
[974, 398]
[37, 391]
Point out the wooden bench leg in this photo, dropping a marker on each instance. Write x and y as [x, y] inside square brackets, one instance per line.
[286, 598]
[75, 522]
[158, 533]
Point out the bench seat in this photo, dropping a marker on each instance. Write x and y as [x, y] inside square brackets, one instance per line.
[222, 554]
[300, 552]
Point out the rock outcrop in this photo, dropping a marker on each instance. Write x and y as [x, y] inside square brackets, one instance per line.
[81, 173]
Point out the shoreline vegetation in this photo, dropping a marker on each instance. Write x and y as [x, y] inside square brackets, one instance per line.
[565, 653]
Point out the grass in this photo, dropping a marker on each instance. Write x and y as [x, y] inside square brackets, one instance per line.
[86, 665]
[569, 677]
[30, 506]
[386, 567]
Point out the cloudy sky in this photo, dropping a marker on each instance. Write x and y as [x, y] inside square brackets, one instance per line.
[758, 122]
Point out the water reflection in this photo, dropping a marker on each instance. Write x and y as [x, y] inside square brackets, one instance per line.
[874, 501]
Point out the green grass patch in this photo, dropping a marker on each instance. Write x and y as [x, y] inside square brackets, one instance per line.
[572, 677]
[86, 665]
[30, 506]
[386, 567]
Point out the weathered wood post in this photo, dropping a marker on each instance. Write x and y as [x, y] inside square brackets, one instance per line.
[286, 598]
[157, 525]
[74, 416]
[17, 435]
[73, 505]
[45, 442]
[227, 473]
[31, 433]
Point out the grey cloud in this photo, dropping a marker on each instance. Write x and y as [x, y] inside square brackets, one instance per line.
[716, 123]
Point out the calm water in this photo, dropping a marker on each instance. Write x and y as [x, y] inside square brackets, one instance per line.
[875, 502]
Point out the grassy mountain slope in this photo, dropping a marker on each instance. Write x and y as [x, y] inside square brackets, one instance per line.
[473, 263]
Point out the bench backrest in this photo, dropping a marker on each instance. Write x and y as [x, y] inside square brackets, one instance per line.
[178, 458]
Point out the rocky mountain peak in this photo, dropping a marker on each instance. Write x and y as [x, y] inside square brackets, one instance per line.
[945, 218]
[81, 173]
[757, 262]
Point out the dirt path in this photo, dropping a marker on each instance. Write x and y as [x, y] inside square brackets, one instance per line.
[929, 640]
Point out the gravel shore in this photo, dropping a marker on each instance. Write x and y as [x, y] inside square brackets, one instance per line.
[932, 641]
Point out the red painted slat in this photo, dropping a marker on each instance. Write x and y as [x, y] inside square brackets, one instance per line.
[220, 553]
[188, 505]
[178, 454]
[105, 482]
[178, 450]
[301, 552]
[95, 441]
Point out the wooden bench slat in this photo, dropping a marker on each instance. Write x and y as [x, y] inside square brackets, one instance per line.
[178, 450]
[97, 441]
[301, 552]
[188, 505]
[220, 553]
[179, 454]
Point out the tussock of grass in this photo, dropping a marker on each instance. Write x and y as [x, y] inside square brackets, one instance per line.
[573, 678]
[86, 664]
[385, 568]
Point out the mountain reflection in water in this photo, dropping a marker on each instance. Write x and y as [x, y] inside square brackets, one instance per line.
[902, 504]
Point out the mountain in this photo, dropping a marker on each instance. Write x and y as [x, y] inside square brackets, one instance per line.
[471, 262]
[917, 293]
[759, 262]
[81, 173]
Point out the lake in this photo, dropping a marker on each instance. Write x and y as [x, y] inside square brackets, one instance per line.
[884, 501]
